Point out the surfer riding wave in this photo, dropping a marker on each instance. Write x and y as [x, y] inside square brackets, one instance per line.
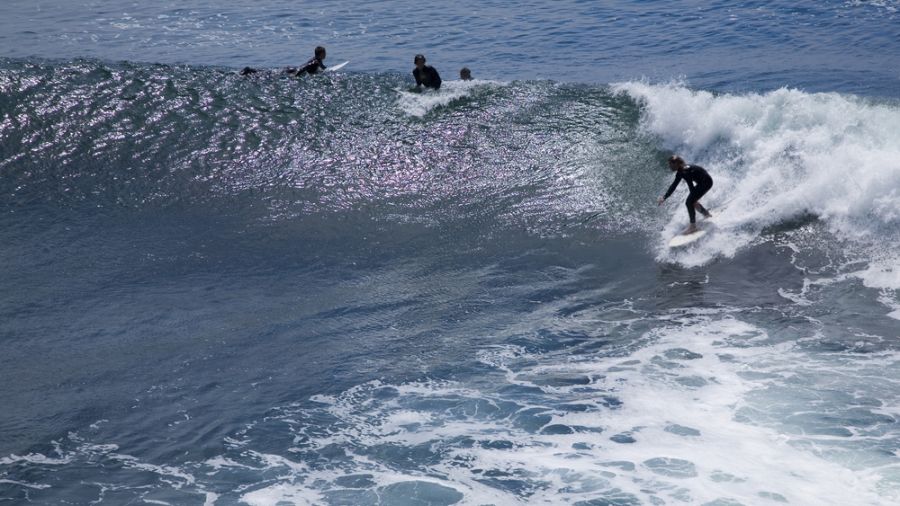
[699, 182]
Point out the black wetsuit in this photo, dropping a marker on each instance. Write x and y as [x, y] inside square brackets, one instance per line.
[428, 77]
[699, 181]
[311, 67]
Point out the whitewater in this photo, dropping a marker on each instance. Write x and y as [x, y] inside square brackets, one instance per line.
[222, 289]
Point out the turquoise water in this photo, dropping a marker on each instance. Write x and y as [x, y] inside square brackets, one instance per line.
[229, 290]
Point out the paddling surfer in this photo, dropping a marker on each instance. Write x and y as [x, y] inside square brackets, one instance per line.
[699, 182]
[314, 65]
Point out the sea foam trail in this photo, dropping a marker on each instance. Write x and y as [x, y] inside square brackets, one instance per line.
[420, 102]
[786, 155]
[711, 411]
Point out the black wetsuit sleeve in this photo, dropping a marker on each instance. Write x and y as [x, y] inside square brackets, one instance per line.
[673, 185]
[416, 75]
[435, 78]
[311, 67]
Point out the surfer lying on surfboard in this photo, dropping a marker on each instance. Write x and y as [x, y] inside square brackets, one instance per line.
[313, 66]
[698, 180]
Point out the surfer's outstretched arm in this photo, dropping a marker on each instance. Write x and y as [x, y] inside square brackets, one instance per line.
[671, 189]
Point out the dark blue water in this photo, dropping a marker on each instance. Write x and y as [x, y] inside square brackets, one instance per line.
[332, 290]
[846, 46]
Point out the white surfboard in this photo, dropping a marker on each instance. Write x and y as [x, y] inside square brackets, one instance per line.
[685, 239]
[337, 67]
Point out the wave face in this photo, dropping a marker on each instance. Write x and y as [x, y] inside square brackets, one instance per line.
[547, 157]
[786, 155]
[223, 289]
[135, 137]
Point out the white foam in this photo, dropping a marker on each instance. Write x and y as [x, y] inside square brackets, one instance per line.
[35, 486]
[283, 493]
[34, 458]
[85, 453]
[220, 462]
[656, 397]
[782, 155]
[421, 103]
[682, 399]
[881, 273]
[165, 473]
[889, 298]
[701, 412]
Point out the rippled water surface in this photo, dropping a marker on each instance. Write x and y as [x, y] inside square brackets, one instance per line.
[746, 46]
[338, 290]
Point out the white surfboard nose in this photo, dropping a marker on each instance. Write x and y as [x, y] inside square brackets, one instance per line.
[685, 239]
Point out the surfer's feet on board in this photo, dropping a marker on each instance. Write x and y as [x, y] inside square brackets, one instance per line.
[690, 230]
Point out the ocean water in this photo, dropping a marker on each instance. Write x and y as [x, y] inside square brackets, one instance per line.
[333, 290]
